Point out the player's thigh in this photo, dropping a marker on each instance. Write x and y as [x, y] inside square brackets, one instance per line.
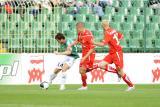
[107, 60]
[57, 70]
[67, 63]
[118, 60]
[82, 69]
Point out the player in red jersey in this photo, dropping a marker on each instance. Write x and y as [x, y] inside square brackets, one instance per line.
[85, 38]
[112, 39]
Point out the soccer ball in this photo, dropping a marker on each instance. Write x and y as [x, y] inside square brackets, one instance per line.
[44, 85]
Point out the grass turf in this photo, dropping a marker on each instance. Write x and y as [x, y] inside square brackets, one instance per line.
[96, 96]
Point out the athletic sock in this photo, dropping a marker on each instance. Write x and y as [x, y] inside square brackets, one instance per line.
[84, 78]
[52, 77]
[127, 80]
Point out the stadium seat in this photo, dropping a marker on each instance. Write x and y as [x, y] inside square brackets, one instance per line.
[93, 18]
[42, 44]
[115, 3]
[67, 18]
[70, 9]
[3, 17]
[157, 43]
[139, 26]
[14, 44]
[70, 34]
[45, 11]
[89, 25]
[125, 3]
[134, 11]
[54, 18]
[72, 26]
[150, 34]
[152, 26]
[148, 12]
[124, 43]
[109, 10]
[122, 11]
[36, 26]
[138, 34]
[80, 18]
[106, 17]
[9, 25]
[98, 26]
[53, 44]
[62, 26]
[126, 26]
[84, 10]
[142, 19]
[130, 18]
[44, 34]
[155, 19]
[118, 18]
[41, 18]
[21, 25]
[149, 44]
[126, 34]
[115, 25]
[98, 34]
[137, 3]
[28, 18]
[158, 34]
[28, 44]
[134, 43]
[14, 18]
[49, 26]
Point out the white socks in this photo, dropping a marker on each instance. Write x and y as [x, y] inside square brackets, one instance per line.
[52, 77]
[63, 78]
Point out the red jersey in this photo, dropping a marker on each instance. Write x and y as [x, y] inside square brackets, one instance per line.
[112, 37]
[86, 40]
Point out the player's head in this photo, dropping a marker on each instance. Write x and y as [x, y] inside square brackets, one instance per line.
[105, 24]
[80, 26]
[60, 38]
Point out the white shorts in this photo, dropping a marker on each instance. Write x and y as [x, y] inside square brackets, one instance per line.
[66, 60]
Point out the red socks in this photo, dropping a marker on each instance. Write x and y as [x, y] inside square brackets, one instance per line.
[127, 80]
[84, 78]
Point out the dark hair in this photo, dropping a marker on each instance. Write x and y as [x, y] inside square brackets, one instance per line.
[59, 36]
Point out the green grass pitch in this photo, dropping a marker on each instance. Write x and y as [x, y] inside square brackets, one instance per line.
[96, 96]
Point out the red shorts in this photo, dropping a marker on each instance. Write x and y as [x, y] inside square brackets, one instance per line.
[116, 58]
[88, 63]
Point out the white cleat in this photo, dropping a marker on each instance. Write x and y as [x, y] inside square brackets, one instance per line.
[130, 88]
[83, 88]
[62, 87]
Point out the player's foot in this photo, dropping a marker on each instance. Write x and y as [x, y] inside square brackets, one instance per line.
[83, 88]
[62, 87]
[130, 88]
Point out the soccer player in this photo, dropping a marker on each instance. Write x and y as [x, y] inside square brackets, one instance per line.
[71, 55]
[85, 38]
[112, 39]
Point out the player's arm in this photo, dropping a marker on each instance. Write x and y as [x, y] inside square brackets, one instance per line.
[72, 44]
[67, 52]
[99, 43]
[87, 55]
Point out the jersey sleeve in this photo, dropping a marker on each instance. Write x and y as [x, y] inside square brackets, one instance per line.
[120, 36]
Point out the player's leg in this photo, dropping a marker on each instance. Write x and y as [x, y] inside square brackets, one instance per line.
[83, 77]
[68, 62]
[65, 67]
[118, 61]
[54, 74]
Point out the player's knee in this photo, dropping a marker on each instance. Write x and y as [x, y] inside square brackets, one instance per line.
[82, 70]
